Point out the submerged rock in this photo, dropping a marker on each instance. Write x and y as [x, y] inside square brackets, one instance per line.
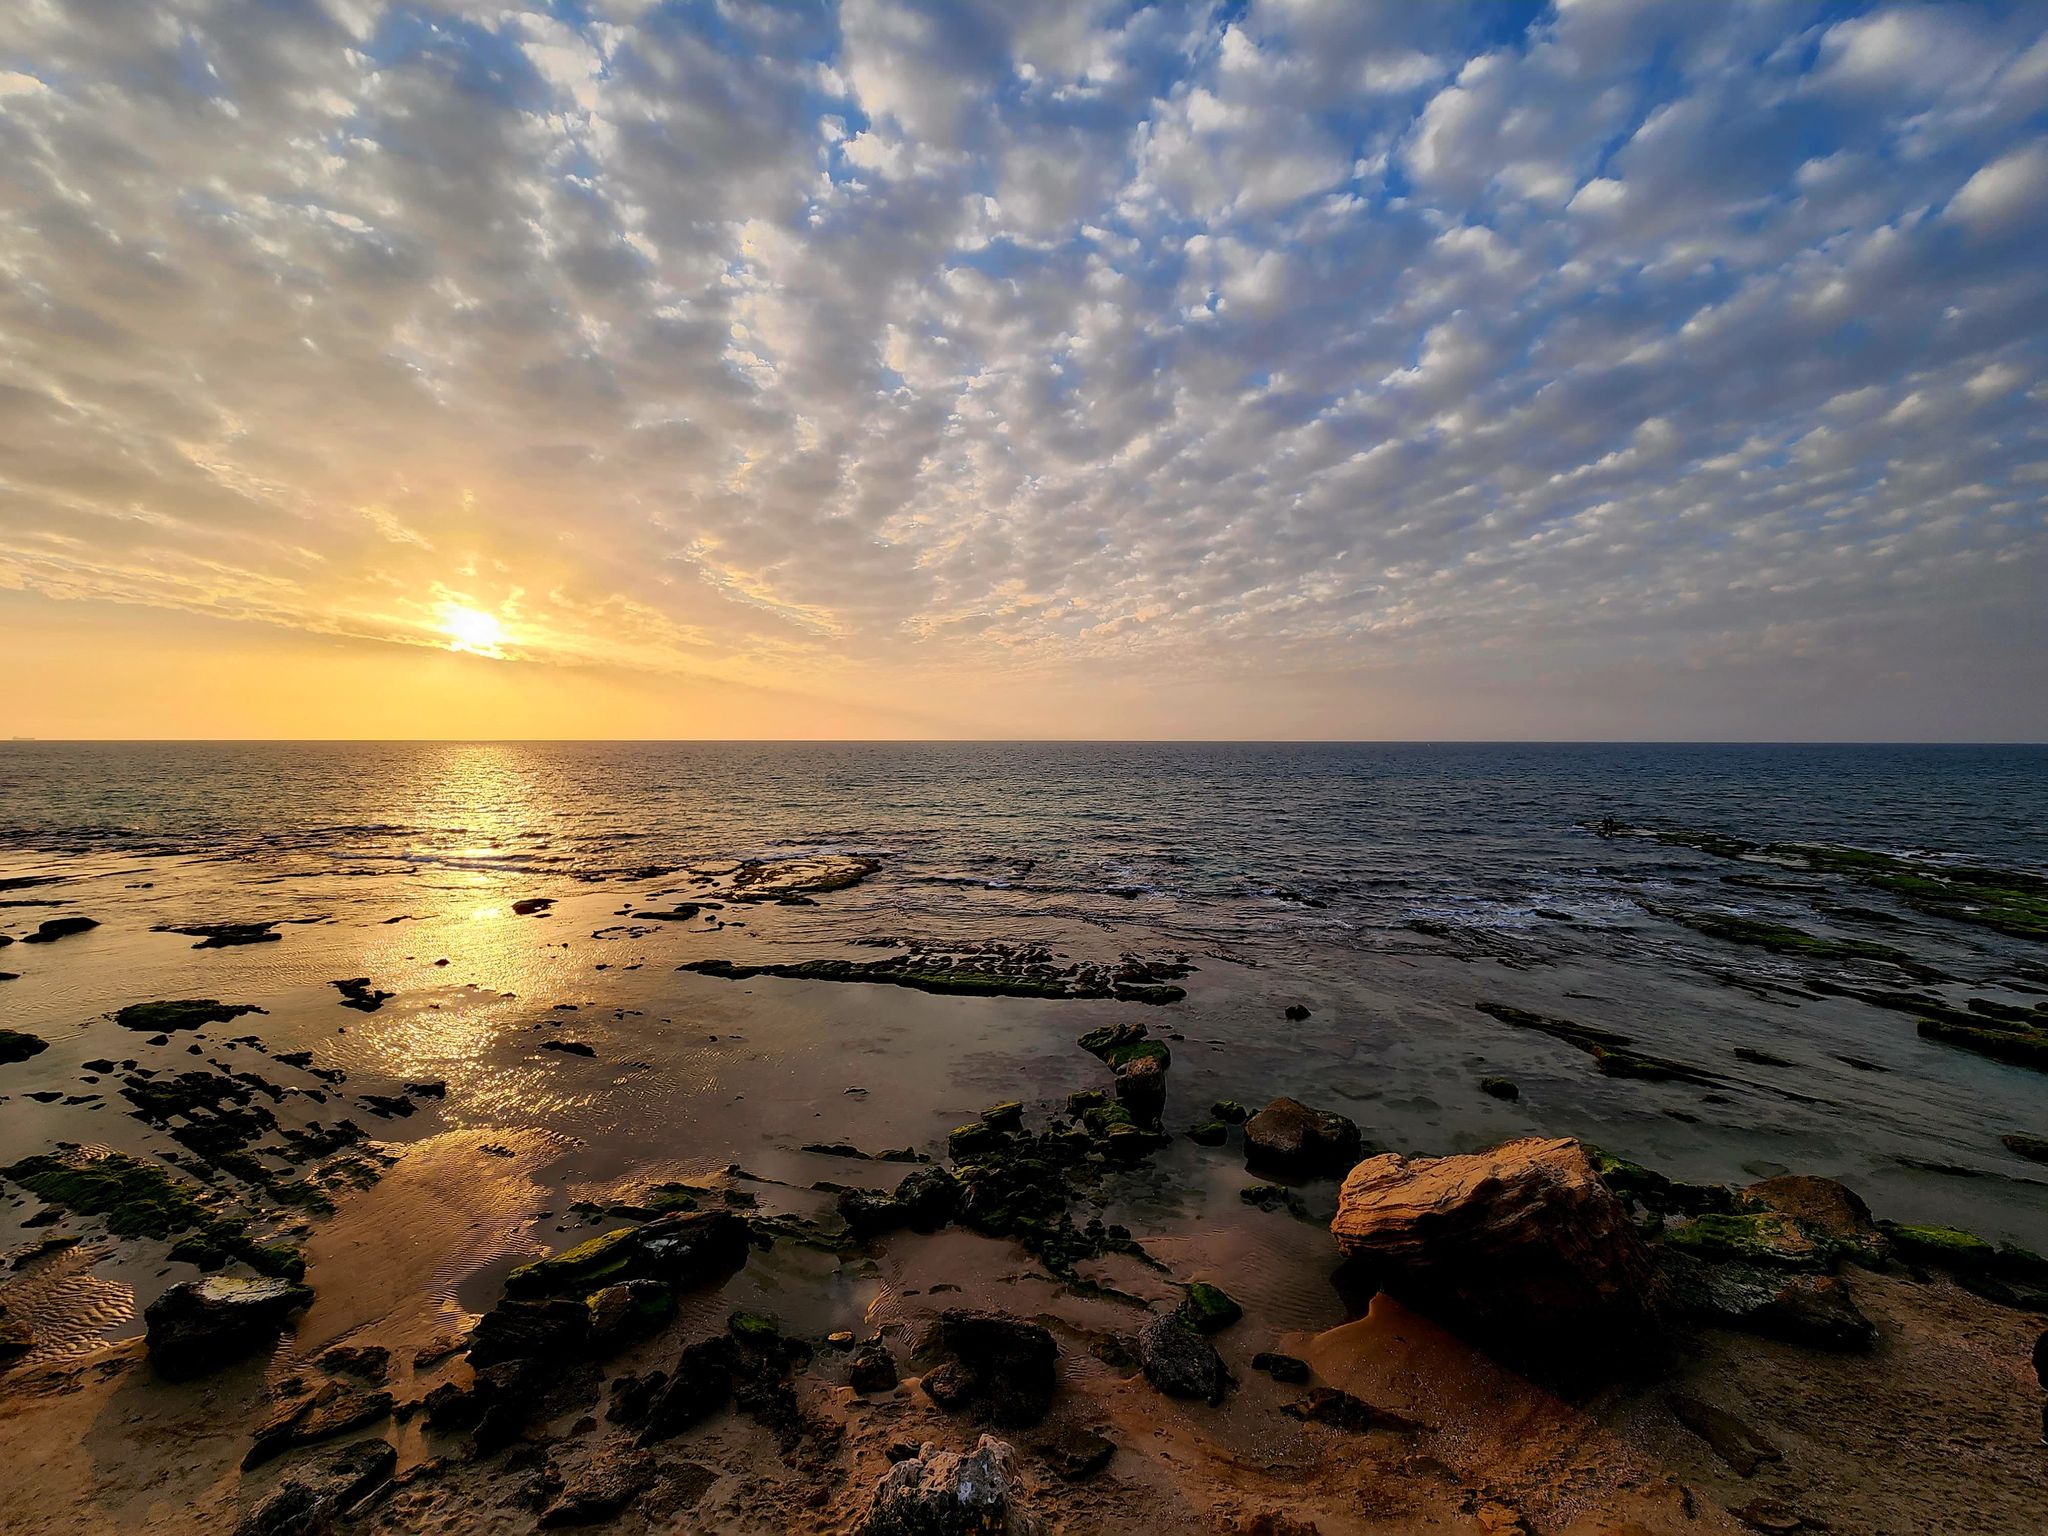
[52, 929]
[1180, 1362]
[19, 1045]
[1000, 1370]
[1523, 1249]
[947, 1493]
[1290, 1139]
[203, 1324]
[183, 1013]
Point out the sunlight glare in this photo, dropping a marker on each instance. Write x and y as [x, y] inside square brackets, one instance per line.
[472, 630]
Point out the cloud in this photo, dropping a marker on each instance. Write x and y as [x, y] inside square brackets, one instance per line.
[1394, 353]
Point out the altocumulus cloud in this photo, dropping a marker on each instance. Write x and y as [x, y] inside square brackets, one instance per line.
[1633, 367]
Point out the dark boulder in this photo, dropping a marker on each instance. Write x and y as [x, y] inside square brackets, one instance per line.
[698, 1387]
[201, 1325]
[686, 1249]
[998, 1370]
[1141, 1088]
[329, 1411]
[1181, 1362]
[1076, 1454]
[516, 1330]
[1292, 1140]
[872, 1370]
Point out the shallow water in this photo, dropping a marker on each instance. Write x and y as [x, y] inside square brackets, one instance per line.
[1285, 874]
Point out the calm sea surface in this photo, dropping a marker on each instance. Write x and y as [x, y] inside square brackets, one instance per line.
[1387, 888]
[1228, 837]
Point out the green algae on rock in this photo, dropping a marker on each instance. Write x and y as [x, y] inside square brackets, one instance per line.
[1208, 1308]
[162, 1018]
[1782, 939]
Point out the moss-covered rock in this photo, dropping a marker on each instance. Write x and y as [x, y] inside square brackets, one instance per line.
[137, 1199]
[1208, 1308]
[1751, 1237]
[1229, 1111]
[1209, 1133]
[755, 1328]
[1944, 1247]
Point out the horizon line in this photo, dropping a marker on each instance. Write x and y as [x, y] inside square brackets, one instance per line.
[1011, 741]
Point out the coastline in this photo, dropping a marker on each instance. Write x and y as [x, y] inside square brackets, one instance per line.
[753, 1088]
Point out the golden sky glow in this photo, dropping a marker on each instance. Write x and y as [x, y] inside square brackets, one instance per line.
[1024, 369]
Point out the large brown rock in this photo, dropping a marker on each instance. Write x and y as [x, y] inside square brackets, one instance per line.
[1521, 1249]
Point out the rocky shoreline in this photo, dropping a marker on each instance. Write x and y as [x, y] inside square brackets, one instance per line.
[1032, 1354]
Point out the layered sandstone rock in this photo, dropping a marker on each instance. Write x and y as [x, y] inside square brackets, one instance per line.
[1522, 1249]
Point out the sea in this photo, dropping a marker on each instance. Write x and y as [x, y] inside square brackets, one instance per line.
[1386, 888]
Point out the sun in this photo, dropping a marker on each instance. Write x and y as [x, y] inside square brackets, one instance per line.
[471, 630]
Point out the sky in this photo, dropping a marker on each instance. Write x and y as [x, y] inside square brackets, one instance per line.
[976, 368]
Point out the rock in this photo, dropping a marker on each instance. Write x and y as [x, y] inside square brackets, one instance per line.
[1817, 1311]
[180, 1013]
[19, 1045]
[1296, 1013]
[1207, 1308]
[1001, 1370]
[928, 1198]
[366, 1361]
[1007, 1116]
[1502, 1088]
[1281, 1367]
[529, 905]
[631, 1307]
[314, 1494]
[569, 1047]
[1229, 1111]
[515, 1330]
[1340, 1410]
[1076, 1454]
[946, 1493]
[686, 1249]
[17, 1338]
[203, 1324]
[332, 1410]
[358, 993]
[600, 1490]
[1141, 1088]
[1523, 1249]
[1822, 1206]
[1732, 1440]
[873, 1370]
[1104, 1042]
[700, 1385]
[1209, 1133]
[51, 929]
[1290, 1139]
[1180, 1362]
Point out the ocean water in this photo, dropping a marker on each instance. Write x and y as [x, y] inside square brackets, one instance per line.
[1389, 889]
[1227, 839]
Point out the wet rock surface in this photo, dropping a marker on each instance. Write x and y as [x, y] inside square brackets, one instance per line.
[1289, 1139]
[314, 1495]
[201, 1325]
